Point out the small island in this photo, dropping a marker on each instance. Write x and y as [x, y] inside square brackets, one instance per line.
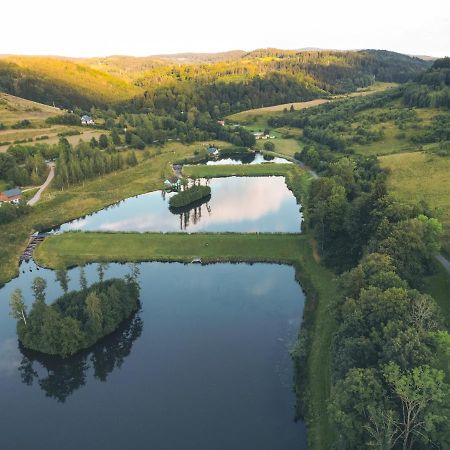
[77, 319]
[189, 196]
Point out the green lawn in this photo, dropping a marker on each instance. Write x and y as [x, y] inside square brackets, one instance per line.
[255, 170]
[70, 249]
[287, 147]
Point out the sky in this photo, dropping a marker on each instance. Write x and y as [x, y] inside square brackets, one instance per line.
[146, 27]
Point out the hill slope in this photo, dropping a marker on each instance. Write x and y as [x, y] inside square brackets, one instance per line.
[62, 82]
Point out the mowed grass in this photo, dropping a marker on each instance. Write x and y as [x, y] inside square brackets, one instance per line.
[73, 249]
[288, 147]
[255, 170]
[420, 176]
[76, 248]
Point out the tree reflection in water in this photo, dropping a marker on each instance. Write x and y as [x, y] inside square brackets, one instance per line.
[192, 213]
[59, 378]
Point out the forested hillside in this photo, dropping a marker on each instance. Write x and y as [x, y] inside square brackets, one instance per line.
[217, 84]
[61, 82]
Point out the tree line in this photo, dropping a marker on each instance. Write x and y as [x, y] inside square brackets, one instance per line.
[390, 353]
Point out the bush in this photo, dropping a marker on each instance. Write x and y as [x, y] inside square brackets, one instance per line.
[22, 124]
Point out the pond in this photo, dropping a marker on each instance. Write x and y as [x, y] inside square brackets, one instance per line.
[237, 204]
[204, 365]
[252, 158]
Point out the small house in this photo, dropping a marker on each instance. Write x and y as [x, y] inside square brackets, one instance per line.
[221, 122]
[11, 195]
[213, 151]
[87, 120]
[173, 183]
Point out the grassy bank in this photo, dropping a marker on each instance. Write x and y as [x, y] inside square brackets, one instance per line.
[255, 170]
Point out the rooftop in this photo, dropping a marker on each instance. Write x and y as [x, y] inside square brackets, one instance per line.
[12, 192]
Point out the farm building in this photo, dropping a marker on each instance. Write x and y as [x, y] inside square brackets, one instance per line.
[11, 195]
[87, 120]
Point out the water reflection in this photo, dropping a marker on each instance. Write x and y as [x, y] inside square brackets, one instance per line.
[251, 158]
[239, 204]
[192, 214]
[59, 378]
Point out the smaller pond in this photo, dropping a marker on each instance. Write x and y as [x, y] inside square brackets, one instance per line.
[237, 204]
[252, 158]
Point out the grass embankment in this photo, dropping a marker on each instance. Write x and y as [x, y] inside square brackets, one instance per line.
[70, 249]
[57, 207]
[242, 170]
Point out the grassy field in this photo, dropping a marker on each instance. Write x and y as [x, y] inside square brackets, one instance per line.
[13, 109]
[258, 116]
[288, 147]
[421, 176]
[77, 248]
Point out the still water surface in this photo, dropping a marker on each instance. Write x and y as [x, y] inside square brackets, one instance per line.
[238, 204]
[256, 158]
[204, 365]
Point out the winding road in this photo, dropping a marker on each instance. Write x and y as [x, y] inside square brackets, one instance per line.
[44, 186]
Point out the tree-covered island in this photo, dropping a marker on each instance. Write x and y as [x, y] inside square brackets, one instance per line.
[77, 319]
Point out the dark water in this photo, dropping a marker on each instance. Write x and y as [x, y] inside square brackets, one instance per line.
[256, 158]
[239, 204]
[204, 365]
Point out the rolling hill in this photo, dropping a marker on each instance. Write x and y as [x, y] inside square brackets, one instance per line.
[215, 83]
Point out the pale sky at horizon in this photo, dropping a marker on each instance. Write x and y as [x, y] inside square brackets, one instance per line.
[142, 28]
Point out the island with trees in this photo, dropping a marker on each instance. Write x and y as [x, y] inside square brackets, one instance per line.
[77, 319]
[189, 196]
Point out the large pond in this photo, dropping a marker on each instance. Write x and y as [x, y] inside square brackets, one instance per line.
[252, 158]
[237, 204]
[204, 365]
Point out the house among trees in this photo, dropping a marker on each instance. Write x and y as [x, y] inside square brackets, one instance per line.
[11, 195]
[213, 151]
[221, 122]
[87, 120]
[172, 183]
